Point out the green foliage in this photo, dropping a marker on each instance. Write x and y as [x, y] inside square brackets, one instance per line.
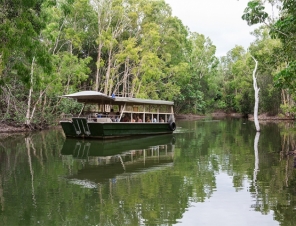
[255, 13]
[137, 48]
[279, 59]
[287, 109]
[195, 83]
[287, 78]
[21, 25]
[268, 52]
[190, 100]
[68, 106]
[285, 29]
[235, 75]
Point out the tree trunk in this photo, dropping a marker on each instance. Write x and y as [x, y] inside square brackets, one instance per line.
[98, 79]
[284, 97]
[108, 72]
[28, 119]
[256, 89]
[125, 78]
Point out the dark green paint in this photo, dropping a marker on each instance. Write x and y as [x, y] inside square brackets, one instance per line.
[115, 129]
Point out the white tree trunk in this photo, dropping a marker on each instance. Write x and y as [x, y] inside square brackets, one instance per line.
[28, 118]
[108, 72]
[256, 89]
[98, 79]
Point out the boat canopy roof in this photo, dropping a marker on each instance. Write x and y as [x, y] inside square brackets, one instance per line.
[98, 97]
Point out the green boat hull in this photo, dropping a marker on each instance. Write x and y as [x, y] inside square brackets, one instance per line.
[80, 128]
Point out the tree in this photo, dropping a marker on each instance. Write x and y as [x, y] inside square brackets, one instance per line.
[202, 65]
[236, 85]
[269, 53]
[256, 89]
[282, 28]
[21, 51]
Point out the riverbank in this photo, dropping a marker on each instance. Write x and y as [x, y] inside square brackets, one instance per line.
[12, 128]
[212, 115]
[215, 115]
[19, 128]
[8, 128]
[266, 117]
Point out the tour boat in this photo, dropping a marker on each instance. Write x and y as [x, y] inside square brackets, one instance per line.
[114, 116]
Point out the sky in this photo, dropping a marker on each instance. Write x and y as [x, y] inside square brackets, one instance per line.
[220, 20]
[226, 207]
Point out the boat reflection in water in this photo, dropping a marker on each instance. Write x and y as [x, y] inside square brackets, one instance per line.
[105, 160]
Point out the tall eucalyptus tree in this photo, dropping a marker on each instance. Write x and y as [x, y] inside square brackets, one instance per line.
[202, 66]
[66, 37]
[236, 88]
[21, 52]
[282, 28]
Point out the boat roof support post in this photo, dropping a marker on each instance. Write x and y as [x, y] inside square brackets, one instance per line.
[82, 109]
[122, 110]
[144, 114]
[172, 111]
[157, 113]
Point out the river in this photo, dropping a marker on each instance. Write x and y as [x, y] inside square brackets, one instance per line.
[209, 172]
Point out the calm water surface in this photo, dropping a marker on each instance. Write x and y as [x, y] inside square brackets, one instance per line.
[209, 172]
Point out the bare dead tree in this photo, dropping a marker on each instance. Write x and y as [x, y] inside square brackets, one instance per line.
[256, 89]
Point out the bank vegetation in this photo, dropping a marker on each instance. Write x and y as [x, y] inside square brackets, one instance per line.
[137, 48]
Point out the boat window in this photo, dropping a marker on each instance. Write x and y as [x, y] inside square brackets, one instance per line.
[140, 108]
[115, 108]
[129, 108]
[152, 108]
[164, 109]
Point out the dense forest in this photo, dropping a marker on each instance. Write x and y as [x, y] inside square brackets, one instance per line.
[137, 48]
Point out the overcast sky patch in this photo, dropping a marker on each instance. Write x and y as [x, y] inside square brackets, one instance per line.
[220, 20]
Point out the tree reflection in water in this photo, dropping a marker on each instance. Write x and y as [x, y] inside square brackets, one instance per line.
[256, 168]
[153, 187]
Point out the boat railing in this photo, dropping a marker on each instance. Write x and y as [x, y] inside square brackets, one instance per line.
[102, 118]
[106, 117]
